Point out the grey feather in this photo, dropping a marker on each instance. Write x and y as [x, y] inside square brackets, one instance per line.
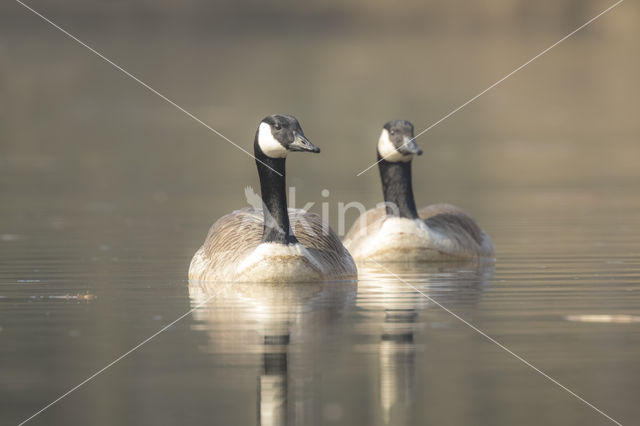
[467, 237]
[234, 236]
[459, 226]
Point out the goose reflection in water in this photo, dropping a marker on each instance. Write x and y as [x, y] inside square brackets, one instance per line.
[282, 324]
[396, 308]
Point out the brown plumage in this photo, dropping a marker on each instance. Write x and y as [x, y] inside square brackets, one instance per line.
[452, 222]
[270, 243]
[465, 238]
[235, 236]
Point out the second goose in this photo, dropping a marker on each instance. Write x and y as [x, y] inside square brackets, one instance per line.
[400, 232]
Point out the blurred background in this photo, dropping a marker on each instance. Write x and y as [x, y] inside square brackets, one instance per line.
[75, 126]
[107, 190]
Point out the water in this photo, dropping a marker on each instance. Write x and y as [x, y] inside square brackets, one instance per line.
[107, 191]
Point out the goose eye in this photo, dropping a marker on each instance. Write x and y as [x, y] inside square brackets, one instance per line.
[277, 126]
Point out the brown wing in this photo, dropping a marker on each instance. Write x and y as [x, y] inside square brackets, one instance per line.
[323, 243]
[457, 225]
[231, 238]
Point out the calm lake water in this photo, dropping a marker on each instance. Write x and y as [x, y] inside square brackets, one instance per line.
[107, 191]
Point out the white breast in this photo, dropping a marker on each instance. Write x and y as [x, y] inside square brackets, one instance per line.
[280, 262]
[401, 231]
[402, 239]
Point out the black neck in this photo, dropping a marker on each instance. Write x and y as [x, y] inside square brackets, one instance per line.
[397, 189]
[274, 199]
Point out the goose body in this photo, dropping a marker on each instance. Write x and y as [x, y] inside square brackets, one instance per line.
[398, 231]
[441, 232]
[234, 251]
[273, 244]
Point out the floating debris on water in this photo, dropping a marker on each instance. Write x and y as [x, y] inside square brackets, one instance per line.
[28, 281]
[617, 319]
[11, 237]
[79, 296]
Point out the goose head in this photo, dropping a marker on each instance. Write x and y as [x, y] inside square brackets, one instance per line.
[279, 134]
[396, 142]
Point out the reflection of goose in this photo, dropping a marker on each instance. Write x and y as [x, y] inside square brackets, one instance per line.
[398, 307]
[261, 244]
[272, 387]
[397, 359]
[400, 232]
[265, 320]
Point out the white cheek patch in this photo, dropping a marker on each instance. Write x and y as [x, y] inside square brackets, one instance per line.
[268, 144]
[388, 151]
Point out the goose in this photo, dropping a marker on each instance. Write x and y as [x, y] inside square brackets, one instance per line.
[273, 243]
[397, 231]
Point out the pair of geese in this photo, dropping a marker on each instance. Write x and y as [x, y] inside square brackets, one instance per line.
[261, 245]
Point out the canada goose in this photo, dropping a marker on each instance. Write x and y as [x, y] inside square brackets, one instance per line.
[259, 244]
[398, 231]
